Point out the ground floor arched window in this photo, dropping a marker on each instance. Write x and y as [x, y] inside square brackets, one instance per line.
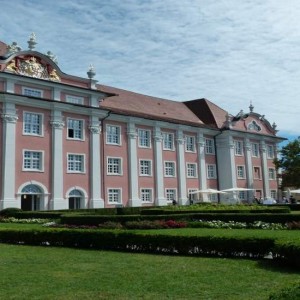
[75, 199]
[31, 197]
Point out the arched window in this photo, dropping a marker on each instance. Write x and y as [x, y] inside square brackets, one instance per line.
[75, 199]
[31, 189]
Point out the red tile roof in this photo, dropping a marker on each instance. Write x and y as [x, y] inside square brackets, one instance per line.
[2, 48]
[208, 112]
[130, 103]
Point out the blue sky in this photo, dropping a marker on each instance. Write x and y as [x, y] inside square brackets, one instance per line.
[228, 51]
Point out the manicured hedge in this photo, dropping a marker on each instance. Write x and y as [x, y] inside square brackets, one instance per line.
[81, 219]
[161, 211]
[121, 240]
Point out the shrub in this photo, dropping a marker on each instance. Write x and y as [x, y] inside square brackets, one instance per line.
[9, 212]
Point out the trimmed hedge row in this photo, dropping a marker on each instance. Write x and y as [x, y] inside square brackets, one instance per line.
[245, 217]
[137, 242]
[118, 240]
[161, 211]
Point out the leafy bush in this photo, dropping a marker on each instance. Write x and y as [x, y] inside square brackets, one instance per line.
[10, 211]
[23, 221]
[293, 225]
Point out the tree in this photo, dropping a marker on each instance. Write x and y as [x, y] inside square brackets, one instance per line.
[289, 162]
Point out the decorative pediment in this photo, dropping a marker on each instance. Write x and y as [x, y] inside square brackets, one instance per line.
[253, 126]
[33, 67]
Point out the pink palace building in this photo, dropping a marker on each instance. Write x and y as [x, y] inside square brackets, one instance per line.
[69, 142]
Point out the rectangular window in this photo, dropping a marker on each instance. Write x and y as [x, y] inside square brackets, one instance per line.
[32, 92]
[242, 195]
[32, 160]
[113, 135]
[211, 171]
[146, 195]
[272, 174]
[273, 194]
[145, 167]
[209, 146]
[114, 166]
[241, 172]
[170, 169]
[256, 174]
[238, 148]
[189, 143]
[74, 99]
[270, 152]
[168, 141]
[114, 196]
[191, 170]
[144, 138]
[192, 196]
[75, 129]
[171, 195]
[75, 163]
[212, 197]
[32, 124]
[255, 150]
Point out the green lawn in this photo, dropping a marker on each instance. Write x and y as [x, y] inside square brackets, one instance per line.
[61, 273]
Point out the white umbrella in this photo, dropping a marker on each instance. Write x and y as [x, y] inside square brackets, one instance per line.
[208, 191]
[237, 189]
[295, 191]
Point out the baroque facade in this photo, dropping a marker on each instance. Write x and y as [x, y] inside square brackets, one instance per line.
[70, 142]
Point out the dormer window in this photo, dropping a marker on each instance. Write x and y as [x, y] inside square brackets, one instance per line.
[254, 126]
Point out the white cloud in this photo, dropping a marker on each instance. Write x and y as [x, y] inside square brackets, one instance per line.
[231, 52]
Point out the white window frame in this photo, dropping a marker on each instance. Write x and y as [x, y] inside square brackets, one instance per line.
[211, 171]
[168, 141]
[190, 142]
[32, 160]
[238, 148]
[191, 170]
[32, 92]
[255, 149]
[142, 168]
[240, 172]
[144, 138]
[273, 194]
[112, 165]
[168, 167]
[272, 173]
[76, 130]
[146, 193]
[75, 162]
[113, 138]
[171, 194]
[209, 146]
[75, 99]
[270, 152]
[242, 195]
[260, 175]
[114, 191]
[194, 197]
[31, 124]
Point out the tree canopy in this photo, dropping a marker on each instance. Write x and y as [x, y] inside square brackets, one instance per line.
[289, 162]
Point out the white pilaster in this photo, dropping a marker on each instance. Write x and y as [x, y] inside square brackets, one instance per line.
[9, 118]
[226, 163]
[133, 166]
[249, 167]
[10, 86]
[265, 171]
[159, 168]
[95, 164]
[182, 199]
[56, 94]
[57, 200]
[201, 164]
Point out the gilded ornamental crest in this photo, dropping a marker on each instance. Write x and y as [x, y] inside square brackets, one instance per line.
[32, 67]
